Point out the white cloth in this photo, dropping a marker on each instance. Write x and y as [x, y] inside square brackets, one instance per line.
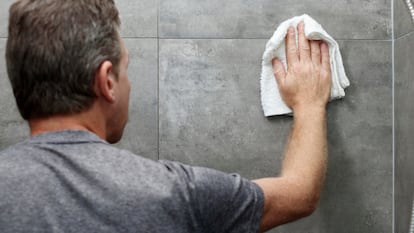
[272, 103]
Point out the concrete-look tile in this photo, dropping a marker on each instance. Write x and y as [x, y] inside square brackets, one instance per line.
[12, 126]
[4, 16]
[359, 179]
[210, 112]
[343, 19]
[404, 131]
[210, 115]
[139, 18]
[403, 23]
[141, 133]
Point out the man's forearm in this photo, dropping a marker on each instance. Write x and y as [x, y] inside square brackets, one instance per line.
[306, 153]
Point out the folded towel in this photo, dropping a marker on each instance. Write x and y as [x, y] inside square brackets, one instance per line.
[272, 103]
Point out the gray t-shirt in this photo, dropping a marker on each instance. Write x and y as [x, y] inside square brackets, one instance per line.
[72, 181]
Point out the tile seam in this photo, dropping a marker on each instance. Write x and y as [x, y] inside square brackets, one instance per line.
[137, 37]
[158, 80]
[393, 117]
[262, 38]
[230, 38]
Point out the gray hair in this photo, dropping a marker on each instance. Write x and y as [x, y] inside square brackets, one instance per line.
[54, 50]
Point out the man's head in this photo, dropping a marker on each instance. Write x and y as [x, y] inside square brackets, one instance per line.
[55, 50]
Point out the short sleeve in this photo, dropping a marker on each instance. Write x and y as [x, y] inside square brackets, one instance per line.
[221, 202]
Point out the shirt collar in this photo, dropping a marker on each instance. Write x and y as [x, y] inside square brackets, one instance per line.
[66, 137]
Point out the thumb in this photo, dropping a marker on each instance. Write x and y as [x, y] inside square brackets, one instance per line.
[278, 70]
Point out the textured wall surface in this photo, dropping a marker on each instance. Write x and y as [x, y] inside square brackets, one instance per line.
[404, 131]
[4, 16]
[345, 19]
[195, 68]
[404, 115]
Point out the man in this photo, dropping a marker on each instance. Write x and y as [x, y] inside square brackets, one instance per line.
[68, 68]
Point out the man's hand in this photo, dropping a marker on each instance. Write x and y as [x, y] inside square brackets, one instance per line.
[307, 83]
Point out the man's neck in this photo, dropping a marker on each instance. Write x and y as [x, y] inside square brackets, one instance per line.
[82, 121]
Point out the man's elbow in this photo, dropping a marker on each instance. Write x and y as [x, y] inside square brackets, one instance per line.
[287, 199]
[307, 204]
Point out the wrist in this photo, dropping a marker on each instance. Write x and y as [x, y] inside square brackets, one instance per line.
[307, 111]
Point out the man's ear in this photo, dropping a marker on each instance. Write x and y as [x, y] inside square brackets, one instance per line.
[105, 82]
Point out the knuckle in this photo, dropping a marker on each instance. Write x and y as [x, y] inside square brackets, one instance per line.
[296, 66]
[316, 52]
[307, 65]
[317, 66]
[291, 32]
[278, 72]
[305, 47]
[291, 50]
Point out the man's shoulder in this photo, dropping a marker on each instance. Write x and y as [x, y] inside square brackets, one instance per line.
[72, 147]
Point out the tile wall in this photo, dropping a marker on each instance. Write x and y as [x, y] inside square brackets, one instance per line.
[195, 68]
[404, 115]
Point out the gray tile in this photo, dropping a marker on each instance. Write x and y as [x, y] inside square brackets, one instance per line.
[141, 133]
[139, 18]
[343, 19]
[404, 131]
[210, 115]
[12, 127]
[210, 110]
[403, 22]
[4, 16]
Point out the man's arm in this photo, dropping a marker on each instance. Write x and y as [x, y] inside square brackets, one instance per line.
[306, 89]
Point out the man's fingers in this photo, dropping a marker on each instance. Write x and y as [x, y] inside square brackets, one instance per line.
[291, 48]
[278, 70]
[326, 65]
[315, 51]
[304, 47]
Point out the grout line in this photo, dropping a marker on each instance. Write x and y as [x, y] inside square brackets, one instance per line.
[186, 38]
[158, 78]
[218, 38]
[135, 37]
[229, 38]
[393, 116]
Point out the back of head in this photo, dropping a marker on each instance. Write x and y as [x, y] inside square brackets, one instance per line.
[54, 49]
